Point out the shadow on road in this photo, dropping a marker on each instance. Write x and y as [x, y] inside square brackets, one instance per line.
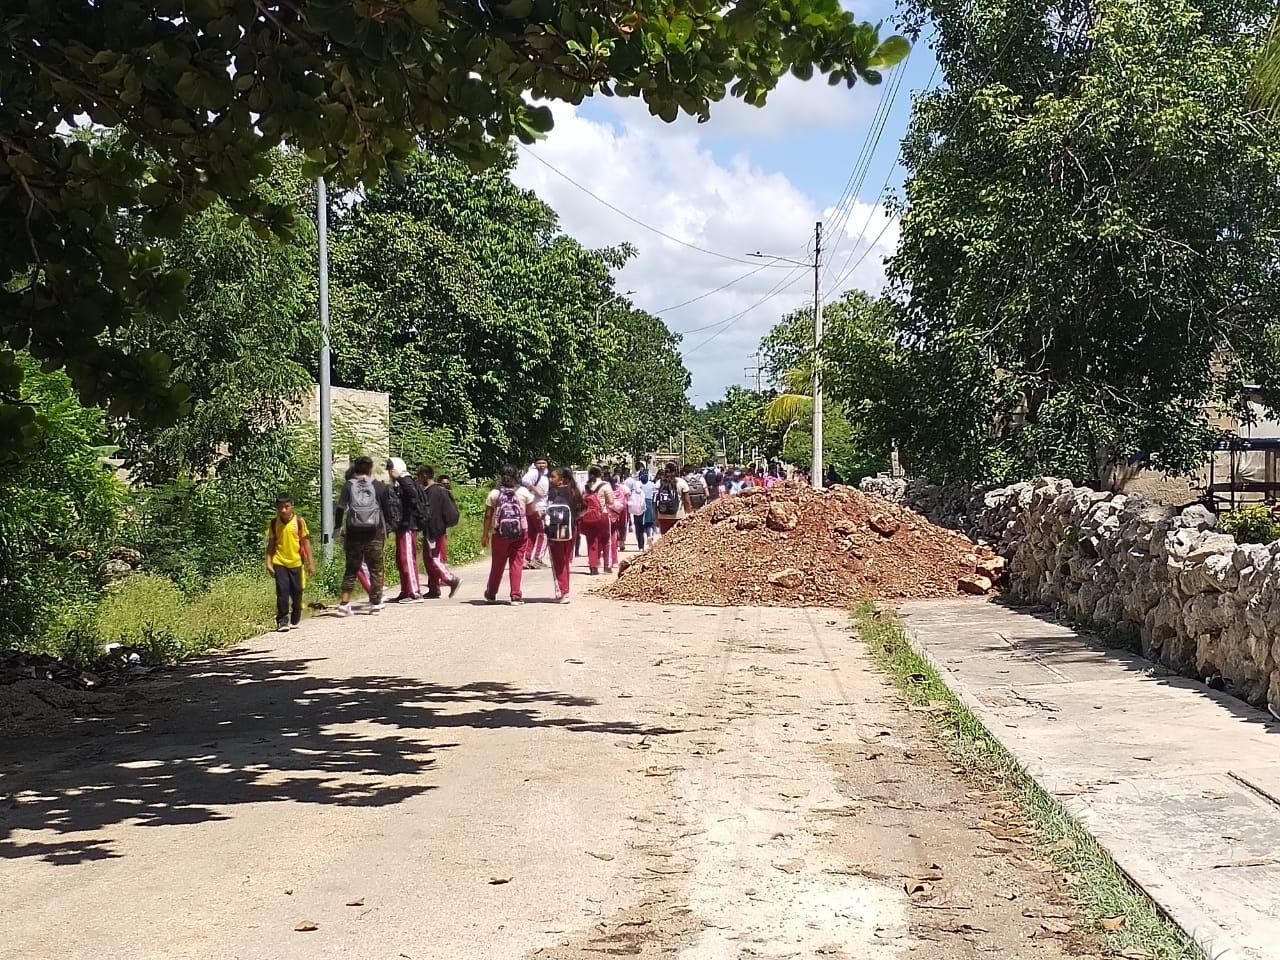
[248, 727]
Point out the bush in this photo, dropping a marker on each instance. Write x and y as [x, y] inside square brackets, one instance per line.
[1250, 524]
[464, 539]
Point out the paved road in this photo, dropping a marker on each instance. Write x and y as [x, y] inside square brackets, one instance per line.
[644, 781]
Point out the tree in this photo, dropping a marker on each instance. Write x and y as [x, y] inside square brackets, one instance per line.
[737, 420]
[652, 382]
[1088, 248]
[203, 91]
[456, 293]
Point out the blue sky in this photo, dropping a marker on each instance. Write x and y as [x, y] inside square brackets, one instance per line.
[748, 180]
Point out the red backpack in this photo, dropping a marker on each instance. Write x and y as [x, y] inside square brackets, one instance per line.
[595, 509]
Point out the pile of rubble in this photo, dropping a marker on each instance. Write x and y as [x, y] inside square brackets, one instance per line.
[793, 546]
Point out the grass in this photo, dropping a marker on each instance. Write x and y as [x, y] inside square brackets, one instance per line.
[1095, 882]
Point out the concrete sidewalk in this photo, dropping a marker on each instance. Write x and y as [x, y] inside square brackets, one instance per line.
[1181, 785]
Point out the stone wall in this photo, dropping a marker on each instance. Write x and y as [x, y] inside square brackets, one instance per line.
[1191, 598]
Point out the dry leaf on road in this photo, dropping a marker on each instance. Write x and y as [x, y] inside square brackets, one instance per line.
[356, 903]
[495, 881]
[600, 856]
[1112, 924]
[1253, 862]
[306, 926]
[791, 866]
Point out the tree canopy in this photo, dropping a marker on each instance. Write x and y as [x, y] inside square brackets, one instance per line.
[203, 91]
[1089, 243]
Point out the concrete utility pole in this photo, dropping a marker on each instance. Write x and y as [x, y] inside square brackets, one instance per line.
[817, 478]
[326, 399]
[751, 372]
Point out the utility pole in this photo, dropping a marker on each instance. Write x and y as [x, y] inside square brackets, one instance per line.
[817, 478]
[755, 372]
[326, 399]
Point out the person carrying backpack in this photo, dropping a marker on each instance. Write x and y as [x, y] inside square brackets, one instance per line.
[636, 508]
[594, 525]
[439, 512]
[699, 493]
[618, 516]
[365, 505]
[406, 527]
[671, 501]
[565, 507]
[507, 514]
[288, 546]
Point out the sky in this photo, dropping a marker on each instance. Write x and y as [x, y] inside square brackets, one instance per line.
[749, 180]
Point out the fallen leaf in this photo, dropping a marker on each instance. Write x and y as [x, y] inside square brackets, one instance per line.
[600, 856]
[1254, 862]
[306, 926]
[1111, 924]
[938, 706]
[1055, 926]
[495, 881]
[791, 866]
[579, 662]
[356, 903]
[794, 795]
[917, 887]
[932, 874]
[917, 678]
[658, 771]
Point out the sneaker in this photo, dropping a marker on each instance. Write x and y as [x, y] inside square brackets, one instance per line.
[608, 569]
[454, 584]
[517, 601]
[413, 600]
[294, 626]
[378, 607]
[594, 572]
[403, 598]
[563, 600]
[344, 609]
[432, 595]
[283, 628]
[490, 598]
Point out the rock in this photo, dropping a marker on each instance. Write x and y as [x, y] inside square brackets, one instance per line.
[113, 570]
[845, 527]
[976, 584]
[783, 515]
[791, 577]
[884, 525]
[748, 521]
[1210, 545]
[130, 556]
[992, 567]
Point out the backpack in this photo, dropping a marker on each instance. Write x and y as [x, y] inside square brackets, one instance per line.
[450, 506]
[364, 511]
[509, 519]
[421, 503]
[618, 506]
[595, 509]
[666, 499]
[559, 522]
[635, 501]
[697, 490]
[395, 507]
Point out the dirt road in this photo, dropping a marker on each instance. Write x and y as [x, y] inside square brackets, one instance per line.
[459, 781]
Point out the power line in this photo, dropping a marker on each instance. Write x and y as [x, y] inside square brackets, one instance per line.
[622, 213]
[723, 286]
[780, 287]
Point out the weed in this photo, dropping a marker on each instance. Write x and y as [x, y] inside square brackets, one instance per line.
[1097, 883]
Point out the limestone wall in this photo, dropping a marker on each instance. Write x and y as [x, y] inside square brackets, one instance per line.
[1190, 597]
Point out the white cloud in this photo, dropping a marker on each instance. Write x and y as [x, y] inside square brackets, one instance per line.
[669, 179]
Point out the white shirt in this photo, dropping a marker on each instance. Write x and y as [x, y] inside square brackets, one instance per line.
[522, 496]
[542, 483]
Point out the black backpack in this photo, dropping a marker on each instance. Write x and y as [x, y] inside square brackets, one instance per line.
[697, 490]
[666, 500]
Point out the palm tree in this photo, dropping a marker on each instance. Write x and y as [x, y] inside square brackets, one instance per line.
[1264, 87]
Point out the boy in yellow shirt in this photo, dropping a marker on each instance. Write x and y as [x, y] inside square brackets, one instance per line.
[288, 545]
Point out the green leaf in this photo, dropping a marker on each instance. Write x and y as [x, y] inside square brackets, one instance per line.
[890, 52]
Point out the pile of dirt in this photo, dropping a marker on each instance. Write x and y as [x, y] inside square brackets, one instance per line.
[793, 546]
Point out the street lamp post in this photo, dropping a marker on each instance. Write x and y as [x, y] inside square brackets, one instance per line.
[326, 400]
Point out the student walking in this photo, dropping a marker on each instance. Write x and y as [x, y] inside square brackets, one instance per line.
[507, 513]
[649, 488]
[407, 526]
[636, 507]
[671, 500]
[365, 504]
[288, 547]
[618, 514]
[595, 520]
[439, 512]
[536, 481]
[565, 507]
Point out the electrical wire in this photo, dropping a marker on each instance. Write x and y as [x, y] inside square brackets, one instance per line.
[723, 286]
[622, 213]
[781, 286]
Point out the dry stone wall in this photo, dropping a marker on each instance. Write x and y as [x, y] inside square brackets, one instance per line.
[1191, 597]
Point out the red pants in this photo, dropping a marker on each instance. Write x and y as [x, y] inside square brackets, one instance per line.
[407, 562]
[506, 554]
[437, 569]
[597, 533]
[537, 538]
[561, 557]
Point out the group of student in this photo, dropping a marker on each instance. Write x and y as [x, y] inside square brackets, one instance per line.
[540, 518]
[369, 511]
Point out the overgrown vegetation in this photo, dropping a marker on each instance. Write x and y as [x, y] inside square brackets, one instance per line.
[1092, 878]
[1252, 523]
